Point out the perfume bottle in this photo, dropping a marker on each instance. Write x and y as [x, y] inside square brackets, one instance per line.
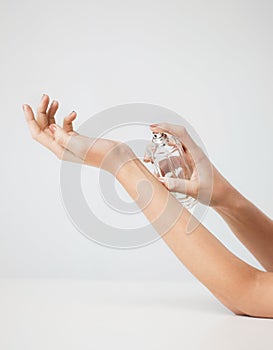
[168, 158]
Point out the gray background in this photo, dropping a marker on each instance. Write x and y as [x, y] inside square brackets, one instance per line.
[210, 61]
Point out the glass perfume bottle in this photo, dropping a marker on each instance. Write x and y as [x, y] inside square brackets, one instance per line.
[168, 158]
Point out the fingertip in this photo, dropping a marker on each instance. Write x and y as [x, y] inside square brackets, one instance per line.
[156, 128]
[44, 96]
[27, 112]
[146, 157]
[153, 125]
[71, 116]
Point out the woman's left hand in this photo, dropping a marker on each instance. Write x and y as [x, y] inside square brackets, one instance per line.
[67, 144]
[41, 126]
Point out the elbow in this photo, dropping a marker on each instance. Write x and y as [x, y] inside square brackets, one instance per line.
[255, 299]
[256, 313]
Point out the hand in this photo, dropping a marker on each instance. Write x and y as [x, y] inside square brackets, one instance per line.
[67, 144]
[40, 128]
[205, 183]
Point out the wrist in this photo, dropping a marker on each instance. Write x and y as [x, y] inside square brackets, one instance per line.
[223, 192]
[230, 199]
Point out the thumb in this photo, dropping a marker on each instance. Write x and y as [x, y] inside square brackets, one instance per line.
[61, 137]
[75, 143]
[177, 185]
[147, 155]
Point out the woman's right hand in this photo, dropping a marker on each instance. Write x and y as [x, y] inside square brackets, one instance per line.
[205, 184]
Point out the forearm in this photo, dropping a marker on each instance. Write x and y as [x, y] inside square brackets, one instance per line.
[253, 228]
[225, 275]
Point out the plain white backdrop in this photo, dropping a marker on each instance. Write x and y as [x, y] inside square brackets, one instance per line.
[210, 61]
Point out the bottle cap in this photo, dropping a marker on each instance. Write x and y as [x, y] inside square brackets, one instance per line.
[159, 137]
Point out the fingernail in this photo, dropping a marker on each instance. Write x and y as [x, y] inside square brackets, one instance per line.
[42, 97]
[153, 125]
[24, 107]
[161, 179]
[52, 128]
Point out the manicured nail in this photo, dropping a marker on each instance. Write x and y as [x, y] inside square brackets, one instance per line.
[52, 128]
[24, 107]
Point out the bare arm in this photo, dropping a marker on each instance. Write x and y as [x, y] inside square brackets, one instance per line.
[242, 288]
[239, 286]
[253, 228]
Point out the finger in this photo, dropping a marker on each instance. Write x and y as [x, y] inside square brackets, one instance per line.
[147, 156]
[42, 117]
[45, 140]
[68, 121]
[68, 141]
[61, 136]
[176, 185]
[182, 134]
[33, 126]
[52, 111]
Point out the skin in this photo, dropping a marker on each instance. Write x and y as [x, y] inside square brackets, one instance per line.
[242, 288]
[253, 228]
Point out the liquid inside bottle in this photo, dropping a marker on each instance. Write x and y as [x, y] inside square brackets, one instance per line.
[168, 158]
